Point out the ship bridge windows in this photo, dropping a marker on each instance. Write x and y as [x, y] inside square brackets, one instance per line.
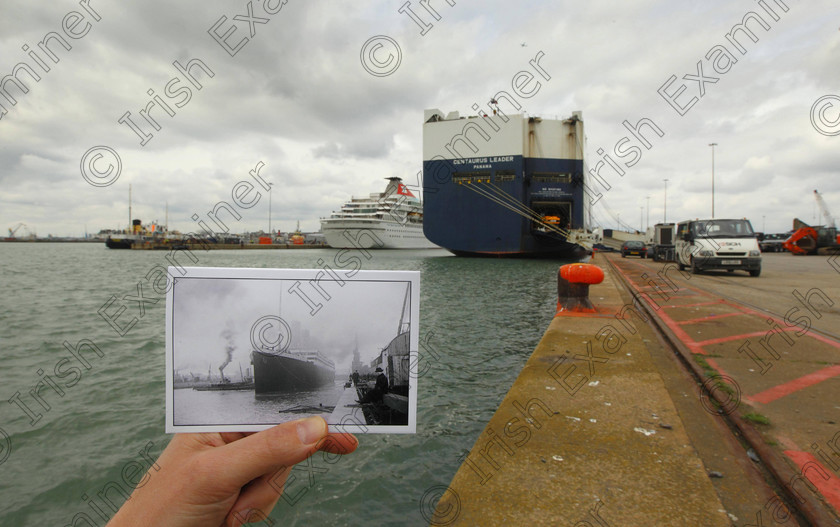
[551, 177]
[505, 175]
[551, 215]
[462, 178]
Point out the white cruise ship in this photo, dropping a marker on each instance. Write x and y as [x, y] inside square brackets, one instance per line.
[389, 220]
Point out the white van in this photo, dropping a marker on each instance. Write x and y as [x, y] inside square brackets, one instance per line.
[717, 244]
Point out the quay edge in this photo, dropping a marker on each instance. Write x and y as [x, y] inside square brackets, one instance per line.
[587, 433]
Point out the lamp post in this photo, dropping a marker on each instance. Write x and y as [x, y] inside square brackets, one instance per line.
[641, 219]
[713, 145]
[618, 219]
[648, 211]
[270, 186]
[665, 205]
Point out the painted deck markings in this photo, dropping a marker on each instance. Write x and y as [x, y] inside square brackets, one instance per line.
[698, 304]
[815, 475]
[742, 336]
[698, 347]
[708, 318]
[827, 483]
[777, 392]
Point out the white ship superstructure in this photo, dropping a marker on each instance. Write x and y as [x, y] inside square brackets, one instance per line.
[388, 220]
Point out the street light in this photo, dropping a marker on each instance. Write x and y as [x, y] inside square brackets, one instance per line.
[648, 212]
[270, 186]
[713, 145]
[641, 219]
[665, 206]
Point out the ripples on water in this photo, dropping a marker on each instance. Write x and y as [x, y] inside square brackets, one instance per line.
[482, 318]
[194, 407]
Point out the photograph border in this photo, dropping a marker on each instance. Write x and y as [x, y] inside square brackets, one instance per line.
[411, 278]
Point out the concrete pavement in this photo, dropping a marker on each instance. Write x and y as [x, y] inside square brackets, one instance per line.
[775, 374]
[587, 435]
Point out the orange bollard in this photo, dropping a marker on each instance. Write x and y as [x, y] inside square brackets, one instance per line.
[573, 281]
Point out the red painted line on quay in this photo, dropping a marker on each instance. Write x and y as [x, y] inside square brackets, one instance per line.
[827, 483]
[713, 363]
[770, 394]
[681, 334]
[746, 310]
[710, 317]
[780, 322]
[777, 392]
[824, 340]
[696, 305]
[671, 323]
[741, 336]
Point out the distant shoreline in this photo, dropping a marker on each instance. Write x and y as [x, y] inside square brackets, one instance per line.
[52, 240]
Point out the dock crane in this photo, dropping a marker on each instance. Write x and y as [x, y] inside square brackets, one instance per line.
[829, 219]
[821, 239]
[13, 230]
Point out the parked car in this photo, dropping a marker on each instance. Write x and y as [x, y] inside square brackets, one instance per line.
[600, 247]
[772, 243]
[633, 248]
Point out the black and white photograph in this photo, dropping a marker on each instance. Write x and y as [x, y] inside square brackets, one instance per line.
[251, 348]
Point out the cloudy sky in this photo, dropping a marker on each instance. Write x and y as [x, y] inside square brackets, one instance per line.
[293, 92]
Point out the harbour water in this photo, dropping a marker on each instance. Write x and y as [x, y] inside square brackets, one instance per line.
[221, 407]
[480, 320]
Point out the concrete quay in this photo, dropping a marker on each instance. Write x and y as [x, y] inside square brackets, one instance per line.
[605, 425]
[587, 435]
[769, 359]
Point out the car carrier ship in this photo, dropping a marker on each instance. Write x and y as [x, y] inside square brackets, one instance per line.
[505, 185]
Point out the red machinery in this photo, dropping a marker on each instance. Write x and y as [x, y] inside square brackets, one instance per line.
[803, 240]
[814, 240]
[811, 240]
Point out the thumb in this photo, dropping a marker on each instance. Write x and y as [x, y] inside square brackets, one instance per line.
[281, 446]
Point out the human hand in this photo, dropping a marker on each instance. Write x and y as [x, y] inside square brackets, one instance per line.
[225, 479]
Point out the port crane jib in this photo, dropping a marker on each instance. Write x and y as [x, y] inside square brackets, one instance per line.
[15, 228]
[829, 219]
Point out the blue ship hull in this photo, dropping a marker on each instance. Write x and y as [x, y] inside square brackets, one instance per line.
[475, 207]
